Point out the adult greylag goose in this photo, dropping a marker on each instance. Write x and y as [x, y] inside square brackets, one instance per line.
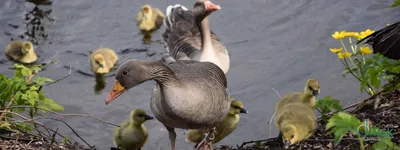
[188, 35]
[188, 94]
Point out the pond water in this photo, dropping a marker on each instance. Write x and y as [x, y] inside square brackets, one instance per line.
[273, 44]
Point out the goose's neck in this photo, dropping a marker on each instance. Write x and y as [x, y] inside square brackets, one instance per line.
[135, 124]
[162, 74]
[206, 36]
[308, 98]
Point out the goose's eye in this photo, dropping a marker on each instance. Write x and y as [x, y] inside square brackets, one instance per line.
[140, 115]
[124, 73]
[310, 88]
[292, 136]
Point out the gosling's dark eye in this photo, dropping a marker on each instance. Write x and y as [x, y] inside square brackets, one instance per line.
[292, 136]
[310, 88]
[141, 115]
[124, 73]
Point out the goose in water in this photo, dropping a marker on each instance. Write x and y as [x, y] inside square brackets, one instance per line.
[385, 41]
[102, 60]
[188, 94]
[188, 35]
[21, 51]
[148, 20]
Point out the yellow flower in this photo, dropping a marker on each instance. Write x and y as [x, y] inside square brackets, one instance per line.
[365, 33]
[344, 55]
[338, 35]
[336, 50]
[349, 34]
[365, 50]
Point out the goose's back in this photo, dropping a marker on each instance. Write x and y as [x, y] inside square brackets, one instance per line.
[13, 50]
[200, 101]
[127, 137]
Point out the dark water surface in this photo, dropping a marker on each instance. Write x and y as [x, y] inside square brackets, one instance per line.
[273, 44]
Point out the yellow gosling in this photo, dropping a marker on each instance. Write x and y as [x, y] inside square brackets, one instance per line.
[102, 60]
[132, 134]
[224, 128]
[149, 19]
[296, 122]
[21, 51]
[308, 97]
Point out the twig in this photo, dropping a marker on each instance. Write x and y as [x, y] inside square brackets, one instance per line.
[263, 140]
[8, 106]
[65, 115]
[273, 115]
[280, 97]
[69, 73]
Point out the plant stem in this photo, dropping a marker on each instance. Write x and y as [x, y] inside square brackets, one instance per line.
[352, 46]
[352, 73]
[341, 41]
[361, 142]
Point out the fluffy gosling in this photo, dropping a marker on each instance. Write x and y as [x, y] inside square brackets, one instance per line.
[224, 128]
[308, 97]
[132, 134]
[149, 19]
[21, 51]
[102, 60]
[296, 122]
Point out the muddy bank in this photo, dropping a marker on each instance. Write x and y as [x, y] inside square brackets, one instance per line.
[386, 115]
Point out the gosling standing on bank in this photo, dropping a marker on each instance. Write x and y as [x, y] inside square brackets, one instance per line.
[102, 60]
[132, 134]
[224, 128]
[148, 20]
[21, 51]
[308, 96]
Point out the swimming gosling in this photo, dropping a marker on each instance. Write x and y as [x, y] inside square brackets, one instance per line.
[149, 19]
[308, 97]
[296, 122]
[21, 51]
[224, 128]
[102, 60]
[132, 134]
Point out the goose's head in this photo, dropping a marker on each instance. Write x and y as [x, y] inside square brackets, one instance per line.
[146, 11]
[27, 47]
[295, 132]
[99, 64]
[236, 107]
[205, 7]
[139, 116]
[131, 73]
[312, 87]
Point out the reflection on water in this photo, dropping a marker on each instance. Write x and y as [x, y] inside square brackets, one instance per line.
[36, 20]
[100, 83]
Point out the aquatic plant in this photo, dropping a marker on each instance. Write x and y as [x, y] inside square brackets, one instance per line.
[369, 71]
[23, 93]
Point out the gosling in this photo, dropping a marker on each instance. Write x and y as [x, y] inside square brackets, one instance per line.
[308, 97]
[296, 122]
[102, 60]
[132, 134]
[149, 19]
[21, 51]
[223, 129]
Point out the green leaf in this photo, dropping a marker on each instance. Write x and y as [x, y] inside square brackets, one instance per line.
[34, 88]
[44, 108]
[53, 105]
[395, 3]
[26, 72]
[36, 68]
[42, 80]
[23, 126]
[33, 96]
[341, 123]
[375, 81]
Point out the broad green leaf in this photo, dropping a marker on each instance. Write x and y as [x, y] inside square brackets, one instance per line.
[36, 68]
[375, 81]
[34, 88]
[395, 3]
[44, 108]
[26, 72]
[33, 96]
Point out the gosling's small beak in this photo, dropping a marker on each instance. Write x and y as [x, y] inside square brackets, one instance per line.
[24, 51]
[315, 93]
[147, 117]
[242, 110]
[287, 144]
[116, 91]
[101, 65]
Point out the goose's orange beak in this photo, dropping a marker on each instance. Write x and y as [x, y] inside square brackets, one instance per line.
[211, 6]
[116, 91]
